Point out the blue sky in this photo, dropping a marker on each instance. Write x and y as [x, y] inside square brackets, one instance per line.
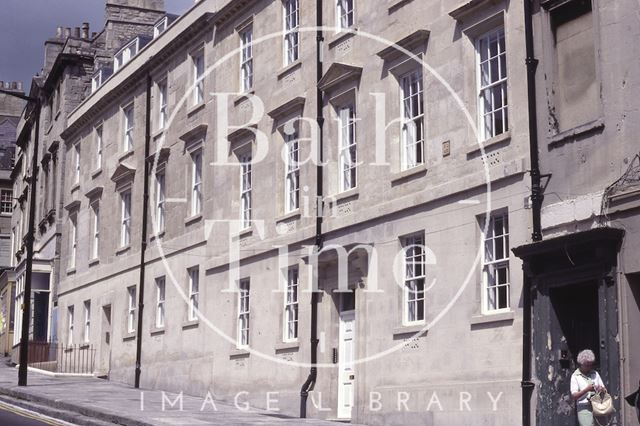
[26, 24]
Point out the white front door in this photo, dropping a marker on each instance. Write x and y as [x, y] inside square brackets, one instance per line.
[346, 355]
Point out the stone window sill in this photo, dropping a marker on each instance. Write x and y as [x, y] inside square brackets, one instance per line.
[239, 353]
[157, 134]
[491, 142]
[157, 331]
[94, 261]
[293, 215]
[409, 173]
[96, 173]
[75, 187]
[493, 318]
[71, 271]
[195, 108]
[242, 97]
[158, 236]
[577, 131]
[287, 347]
[193, 219]
[187, 325]
[244, 233]
[125, 155]
[394, 5]
[84, 345]
[288, 69]
[417, 330]
[123, 250]
[129, 336]
[342, 36]
[350, 193]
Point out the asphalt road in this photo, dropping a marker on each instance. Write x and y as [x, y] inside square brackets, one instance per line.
[14, 416]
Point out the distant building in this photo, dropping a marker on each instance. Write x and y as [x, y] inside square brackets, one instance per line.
[10, 111]
[71, 57]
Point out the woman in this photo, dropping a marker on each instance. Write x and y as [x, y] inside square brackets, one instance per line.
[585, 382]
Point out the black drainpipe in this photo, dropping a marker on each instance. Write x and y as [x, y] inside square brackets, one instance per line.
[143, 233]
[309, 384]
[536, 206]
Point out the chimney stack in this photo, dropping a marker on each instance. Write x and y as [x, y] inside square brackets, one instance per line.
[85, 30]
[67, 32]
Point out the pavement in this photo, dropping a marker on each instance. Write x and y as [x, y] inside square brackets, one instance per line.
[97, 402]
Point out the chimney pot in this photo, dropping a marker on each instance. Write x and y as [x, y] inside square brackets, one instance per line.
[76, 32]
[1, 84]
[85, 30]
[67, 32]
[20, 86]
[59, 32]
[14, 85]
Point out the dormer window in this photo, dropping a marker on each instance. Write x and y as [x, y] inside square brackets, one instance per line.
[130, 50]
[99, 77]
[159, 27]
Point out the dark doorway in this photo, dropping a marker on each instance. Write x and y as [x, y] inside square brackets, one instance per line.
[573, 326]
[40, 316]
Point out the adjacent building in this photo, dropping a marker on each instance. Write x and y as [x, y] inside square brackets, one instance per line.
[67, 76]
[10, 110]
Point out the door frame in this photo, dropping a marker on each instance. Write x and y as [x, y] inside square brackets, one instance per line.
[345, 316]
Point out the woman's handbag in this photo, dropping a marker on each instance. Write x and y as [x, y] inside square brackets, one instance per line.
[602, 404]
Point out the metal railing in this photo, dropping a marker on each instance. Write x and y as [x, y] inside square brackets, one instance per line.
[60, 358]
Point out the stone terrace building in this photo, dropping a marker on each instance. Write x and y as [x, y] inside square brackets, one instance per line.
[443, 344]
[65, 80]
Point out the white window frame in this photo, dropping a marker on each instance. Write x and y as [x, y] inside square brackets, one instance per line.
[86, 334]
[345, 14]
[243, 318]
[163, 110]
[413, 148]
[196, 182]
[198, 77]
[496, 243]
[132, 307]
[73, 220]
[160, 200]
[488, 112]
[125, 217]
[76, 165]
[291, 35]
[291, 318]
[246, 175]
[246, 58]
[194, 292]
[414, 286]
[125, 54]
[129, 124]
[6, 202]
[95, 225]
[348, 149]
[98, 145]
[292, 172]
[70, 324]
[160, 26]
[160, 301]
